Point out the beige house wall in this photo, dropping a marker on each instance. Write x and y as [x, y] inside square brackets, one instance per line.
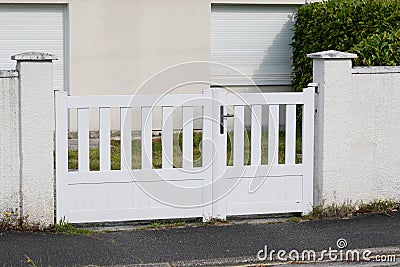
[121, 45]
[114, 46]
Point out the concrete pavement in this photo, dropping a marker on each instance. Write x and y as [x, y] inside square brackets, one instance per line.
[203, 245]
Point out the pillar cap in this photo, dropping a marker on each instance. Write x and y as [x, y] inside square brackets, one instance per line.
[34, 56]
[332, 54]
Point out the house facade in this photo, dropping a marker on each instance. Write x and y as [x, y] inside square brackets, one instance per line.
[115, 46]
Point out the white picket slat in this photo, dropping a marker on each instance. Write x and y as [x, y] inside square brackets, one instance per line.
[290, 134]
[208, 152]
[62, 196]
[61, 131]
[147, 138]
[187, 137]
[126, 138]
[238, 136]
[308, 149]
[83, 139]
[256, 123]
[219, 160]
[104, 142]
[273, 134]
[167, 137]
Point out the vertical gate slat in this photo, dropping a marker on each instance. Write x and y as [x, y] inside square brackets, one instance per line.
[290, 134]
[308, 147]
[147, 153]
[83, 139]
[273, 134]
[61, 132]
[105, 148]
[238, 136]
[167, 137]
[256, 112]
[126, 138]
[61, 154]
[207, 151]
[187, 137]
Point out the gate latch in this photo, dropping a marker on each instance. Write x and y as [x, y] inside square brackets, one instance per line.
[222, 118]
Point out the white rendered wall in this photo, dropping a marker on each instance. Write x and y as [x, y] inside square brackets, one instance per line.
[356, 130]
[26, 138]
[375, 128]
[9, 141]
[36, 136]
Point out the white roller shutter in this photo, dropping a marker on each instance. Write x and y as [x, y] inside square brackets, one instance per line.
[253, 39]
[25, 28]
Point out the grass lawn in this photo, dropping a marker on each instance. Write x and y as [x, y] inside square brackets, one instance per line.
[197, 136]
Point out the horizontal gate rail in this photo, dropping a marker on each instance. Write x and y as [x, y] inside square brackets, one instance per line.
[118, 101]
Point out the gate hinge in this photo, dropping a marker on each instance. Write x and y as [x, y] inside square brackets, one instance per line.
[315, 85]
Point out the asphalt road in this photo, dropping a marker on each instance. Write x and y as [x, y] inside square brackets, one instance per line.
[197, 243]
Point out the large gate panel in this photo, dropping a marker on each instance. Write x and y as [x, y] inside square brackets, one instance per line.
[213, 190]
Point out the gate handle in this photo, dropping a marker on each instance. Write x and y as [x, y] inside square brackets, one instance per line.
[222, 118]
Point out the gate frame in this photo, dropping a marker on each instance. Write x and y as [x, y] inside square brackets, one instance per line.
[211, 100]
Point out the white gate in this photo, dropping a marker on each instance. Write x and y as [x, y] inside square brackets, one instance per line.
[213, 190]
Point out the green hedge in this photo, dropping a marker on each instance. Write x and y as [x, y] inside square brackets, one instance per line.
[382, 49]
[369, 28]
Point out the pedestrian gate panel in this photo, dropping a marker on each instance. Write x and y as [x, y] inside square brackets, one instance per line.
[214, 190]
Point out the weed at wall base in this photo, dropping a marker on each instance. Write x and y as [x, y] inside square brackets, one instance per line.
[63, 227]
[347, 209]
[11, 220]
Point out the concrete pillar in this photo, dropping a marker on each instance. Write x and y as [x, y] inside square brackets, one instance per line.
[332, 72]
[9, 141]
[36, 136]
